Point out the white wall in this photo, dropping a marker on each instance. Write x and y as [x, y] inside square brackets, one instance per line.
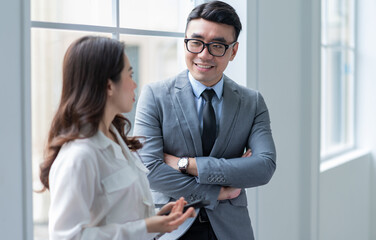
[15, 210]
[287, 74]
[345, 200]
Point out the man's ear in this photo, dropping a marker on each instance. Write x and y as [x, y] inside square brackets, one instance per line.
[234, 51]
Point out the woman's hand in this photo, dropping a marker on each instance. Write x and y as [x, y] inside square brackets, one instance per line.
[172, 221]
[167, 208]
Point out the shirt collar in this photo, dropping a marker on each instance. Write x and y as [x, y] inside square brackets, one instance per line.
[121, 151]
[198, 87]
[103, 142]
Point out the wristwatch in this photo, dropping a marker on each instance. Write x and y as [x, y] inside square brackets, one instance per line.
[183, 164]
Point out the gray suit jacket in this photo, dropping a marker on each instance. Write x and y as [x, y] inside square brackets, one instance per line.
[167, 117]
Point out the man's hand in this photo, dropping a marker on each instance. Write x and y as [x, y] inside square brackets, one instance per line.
[171, 161]
[248, 153]
[228, 193]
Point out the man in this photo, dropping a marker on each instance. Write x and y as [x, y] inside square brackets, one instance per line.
[196, 138]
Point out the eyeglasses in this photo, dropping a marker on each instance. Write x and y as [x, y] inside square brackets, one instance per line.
[216, 49]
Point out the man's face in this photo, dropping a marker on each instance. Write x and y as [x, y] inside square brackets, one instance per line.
[203, 66]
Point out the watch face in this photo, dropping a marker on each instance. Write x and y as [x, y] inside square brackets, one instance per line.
[183, 162]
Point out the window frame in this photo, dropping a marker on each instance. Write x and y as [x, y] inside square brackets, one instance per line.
[327, 153]
[116, 31]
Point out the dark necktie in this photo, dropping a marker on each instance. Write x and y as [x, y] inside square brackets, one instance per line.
[209, 125]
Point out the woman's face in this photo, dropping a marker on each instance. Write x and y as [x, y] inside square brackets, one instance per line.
[122, 95]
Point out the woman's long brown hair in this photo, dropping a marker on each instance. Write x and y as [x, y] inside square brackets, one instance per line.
[88, 64]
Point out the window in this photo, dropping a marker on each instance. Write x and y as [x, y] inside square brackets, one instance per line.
[337, 77]
[152, 30]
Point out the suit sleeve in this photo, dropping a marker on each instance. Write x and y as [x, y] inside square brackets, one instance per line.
[244, 172]
[163, 178]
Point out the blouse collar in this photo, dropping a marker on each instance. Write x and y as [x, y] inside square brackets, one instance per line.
[120, 150]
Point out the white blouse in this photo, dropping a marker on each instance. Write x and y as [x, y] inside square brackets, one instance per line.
[99, 190]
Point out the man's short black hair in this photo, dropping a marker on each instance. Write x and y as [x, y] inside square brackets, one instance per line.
[219, 12]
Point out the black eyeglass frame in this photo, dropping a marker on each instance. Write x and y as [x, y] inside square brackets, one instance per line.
[186, 40]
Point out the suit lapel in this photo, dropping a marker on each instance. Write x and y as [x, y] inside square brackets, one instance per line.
[229, 116]
[188, 114]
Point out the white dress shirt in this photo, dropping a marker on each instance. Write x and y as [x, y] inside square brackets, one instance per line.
[99, 190]
[217, 101]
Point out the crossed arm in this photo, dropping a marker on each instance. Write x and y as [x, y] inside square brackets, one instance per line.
[172, 161]
[251, 169]
[225, 192]
[235, 173]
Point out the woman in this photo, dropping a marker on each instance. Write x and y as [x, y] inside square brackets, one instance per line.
[99, 188]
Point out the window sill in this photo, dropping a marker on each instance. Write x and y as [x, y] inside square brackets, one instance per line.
[342, 159]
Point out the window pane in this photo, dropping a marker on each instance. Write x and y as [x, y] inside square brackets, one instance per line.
[163, 15]
[47, 51]
[337, 100]
[153, 59]
[89, 12]
[338, 22]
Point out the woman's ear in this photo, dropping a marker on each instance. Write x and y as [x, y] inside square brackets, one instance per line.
[110, 87]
